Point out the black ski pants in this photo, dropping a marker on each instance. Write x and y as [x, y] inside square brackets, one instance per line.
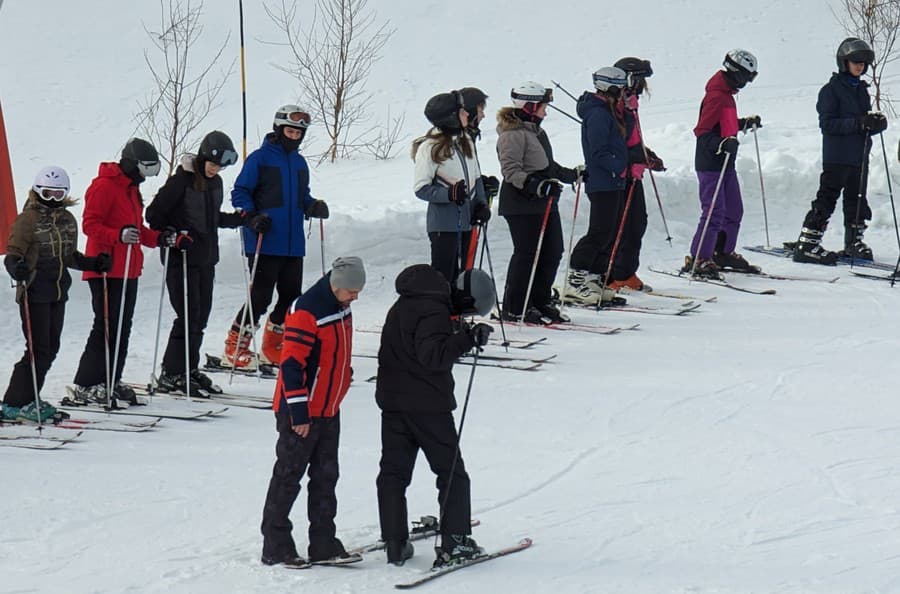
[316, 453]
[46, 329]
[525, 231]
[628, 255]
[403, 434]
[834, 180]
[592, 252]
[282, 272]
[447, 255]
[200, 281]
[92, 366]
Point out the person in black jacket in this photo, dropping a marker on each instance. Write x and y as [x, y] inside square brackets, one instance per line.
[189, 203]
[847, 125]
[415, 394]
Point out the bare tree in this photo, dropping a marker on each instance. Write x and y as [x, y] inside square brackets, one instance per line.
[388, 136]
[183, 95]
[876, 22]
[332, 55]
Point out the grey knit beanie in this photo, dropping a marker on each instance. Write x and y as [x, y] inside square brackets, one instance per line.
[348, 272]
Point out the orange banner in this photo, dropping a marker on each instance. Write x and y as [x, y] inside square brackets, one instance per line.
[8, 208]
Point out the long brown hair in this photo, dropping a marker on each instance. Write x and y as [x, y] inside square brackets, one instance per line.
[200, 182]
[612, 102]
[443, 146]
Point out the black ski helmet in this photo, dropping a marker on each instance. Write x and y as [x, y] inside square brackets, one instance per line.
[473, 292]
[218, 148]
[141, 155]
[854, 49]
[442, 111]
[637, 70]
[472, 97]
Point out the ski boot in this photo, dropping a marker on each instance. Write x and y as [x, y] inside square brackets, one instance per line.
[854, 247]
[809, 250]
[205, 382]
[237, 352]
[398, 551]
[553, 314]
[633, 283]
[705, 269]
[577, 290]
[734, 261]
[175, 384]
[47, 412]
[272, 339]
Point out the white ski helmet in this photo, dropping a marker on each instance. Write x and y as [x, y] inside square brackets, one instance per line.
[610, 79]
[742, 66]
[51, 183]
[530, 92]
[291, 115]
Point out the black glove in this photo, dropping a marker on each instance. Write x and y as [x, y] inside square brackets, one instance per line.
[21, 272]
[481, 215]
[101, 263]
[480, 333]
[491, 186]
[317, 210]
[749, 122]
[171, 238]
[581, 171]
[130, 234]
[654, 162]
[728, 145]
[261, 223]
[458, 192]
[542, 187]
[873, 122]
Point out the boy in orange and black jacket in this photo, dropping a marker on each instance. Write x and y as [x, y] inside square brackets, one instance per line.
[313, 379]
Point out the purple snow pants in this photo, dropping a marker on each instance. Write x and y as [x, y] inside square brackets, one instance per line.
[726, 216]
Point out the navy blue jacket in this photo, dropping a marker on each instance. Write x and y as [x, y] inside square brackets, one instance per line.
[605, 153]
[275, 182]
[840, 106]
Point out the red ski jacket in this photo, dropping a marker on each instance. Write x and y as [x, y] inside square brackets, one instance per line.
[111, 202]
[315, 356]
[718, 119]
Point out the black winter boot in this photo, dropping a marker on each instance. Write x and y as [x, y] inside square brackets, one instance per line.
[398, 551]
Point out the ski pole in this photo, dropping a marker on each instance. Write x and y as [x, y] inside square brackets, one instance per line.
[537, 255]
[243, 79]
[562, 299]
[29, 339]
[615, 248]
[248, 308]
[472, 247]
[120, 321]
[565, 113]
[322, 243]
[712, 207]
[563, 89]
[106, 339]
[637, 122]
[861, 192]
[487, 251]
[187, 325]
[154, 381]
[887, 173]
[762, 187]
[462, 422]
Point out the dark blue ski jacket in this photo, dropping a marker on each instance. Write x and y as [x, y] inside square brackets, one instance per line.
[841, 103]
[275, 182]
[605, 153]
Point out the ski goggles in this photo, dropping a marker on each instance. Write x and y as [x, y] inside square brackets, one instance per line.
[229, 157]
[297, 119]
[148, 168]
[55, 194]
[547, 97]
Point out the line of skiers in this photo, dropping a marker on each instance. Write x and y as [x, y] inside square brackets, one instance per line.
[419, 344]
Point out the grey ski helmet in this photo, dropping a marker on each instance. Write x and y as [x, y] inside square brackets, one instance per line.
[442, 111]
[218, 148]
[610, 79]
[636, 70]
[141, 155]
[854, 49]
[473, 292]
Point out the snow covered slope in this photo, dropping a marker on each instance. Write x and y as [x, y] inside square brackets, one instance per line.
[749, 447]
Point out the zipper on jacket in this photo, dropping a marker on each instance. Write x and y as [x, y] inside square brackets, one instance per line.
[465, 168]
[344, 364]
[59, 255]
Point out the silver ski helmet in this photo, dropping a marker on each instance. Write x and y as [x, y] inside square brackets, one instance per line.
[141, 155]
[610, 80]
[473, 293]
[530, 92]
[854, 49]
[218, 148]
[741, 67]
[292, 116]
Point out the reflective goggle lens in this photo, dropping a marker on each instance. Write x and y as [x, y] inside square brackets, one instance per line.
[148, 168]
[300, 119]
[228, 158]
[57, 194]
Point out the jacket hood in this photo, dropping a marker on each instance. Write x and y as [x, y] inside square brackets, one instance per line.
[719, 84]
[507, 120]
[187, 162]
[114, 173]
[421, 280]
[588, 102]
